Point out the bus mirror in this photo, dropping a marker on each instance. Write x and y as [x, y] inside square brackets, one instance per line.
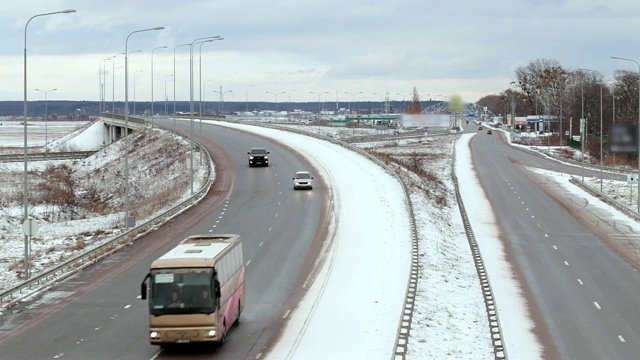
[217, 288]
[143, 291]
[143, 288]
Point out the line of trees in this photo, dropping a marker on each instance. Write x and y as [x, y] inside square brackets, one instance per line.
[545, 87]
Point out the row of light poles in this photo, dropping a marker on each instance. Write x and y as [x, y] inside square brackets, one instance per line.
[46, 141]
[28, 227]
[638, 64]
[583, 121]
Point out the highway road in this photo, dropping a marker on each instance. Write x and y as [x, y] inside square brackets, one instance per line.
[584, 297]
[97, 314]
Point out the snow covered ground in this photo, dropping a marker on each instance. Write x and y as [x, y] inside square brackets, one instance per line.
[353, 308]
[79, 204]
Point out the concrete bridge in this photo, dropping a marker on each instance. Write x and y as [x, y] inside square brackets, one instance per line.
[115, 126]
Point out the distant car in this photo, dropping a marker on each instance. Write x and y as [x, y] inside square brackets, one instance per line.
[479, 127]
[302, 180]
[258, 156]
[489, 132]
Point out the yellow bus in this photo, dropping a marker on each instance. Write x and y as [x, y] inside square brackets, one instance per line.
[196, 290]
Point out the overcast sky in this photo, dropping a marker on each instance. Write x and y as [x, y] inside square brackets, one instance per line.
[441, 47]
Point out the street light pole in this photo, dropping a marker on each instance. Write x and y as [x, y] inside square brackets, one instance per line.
[126, 124]
[290, 91]
[601, 158]
[174, 84]
[25, 189]
[319, 100]
[353, 98]
[276, 98]
[102, 76]
[46, 142]
[152, 50]
[601, 155]
[200, 90]
[165, 93]
[191, 100]
[113, 85]
[619, 58]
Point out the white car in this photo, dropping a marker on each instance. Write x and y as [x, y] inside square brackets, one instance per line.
[303, 180]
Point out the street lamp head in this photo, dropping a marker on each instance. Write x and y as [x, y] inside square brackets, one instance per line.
[68, 11]
[158, 28]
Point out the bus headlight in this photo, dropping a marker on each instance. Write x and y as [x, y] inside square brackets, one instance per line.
[154, 335]
[211, 333]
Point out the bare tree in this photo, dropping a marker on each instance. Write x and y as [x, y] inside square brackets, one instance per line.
[415, 107]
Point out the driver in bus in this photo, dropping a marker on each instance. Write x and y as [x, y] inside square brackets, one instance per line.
[205, 299]
[175, 301]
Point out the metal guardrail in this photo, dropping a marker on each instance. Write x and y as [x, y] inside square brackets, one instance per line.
[28, 288]
[406, 318]
[71, 155]
[497, 339]
[607, 199]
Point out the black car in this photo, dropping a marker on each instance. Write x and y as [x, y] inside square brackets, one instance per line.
[258, 156]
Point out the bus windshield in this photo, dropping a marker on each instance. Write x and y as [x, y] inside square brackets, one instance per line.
[182, 291]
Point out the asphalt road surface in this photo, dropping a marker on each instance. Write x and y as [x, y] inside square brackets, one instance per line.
[97, 314]
[584, 296]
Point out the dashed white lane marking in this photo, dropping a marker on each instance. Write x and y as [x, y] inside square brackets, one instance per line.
[127, 306]
[597, 305]
[258, 356]
[566, 263]
[276, 214]
[286, 314]
[270, 227]
[546, 235]
[621, 338]
[248, 262]
[580, 282]
[261, 244]
[555, 247]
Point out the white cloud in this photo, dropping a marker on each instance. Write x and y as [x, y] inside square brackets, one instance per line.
[328, 45]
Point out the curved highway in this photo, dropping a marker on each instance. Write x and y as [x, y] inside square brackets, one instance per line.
[583, 296]
[97, 314]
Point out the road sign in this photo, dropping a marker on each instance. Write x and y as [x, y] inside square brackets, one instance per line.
[30, 227]
[632, 179]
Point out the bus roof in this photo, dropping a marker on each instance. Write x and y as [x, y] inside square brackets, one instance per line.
[197, 251]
